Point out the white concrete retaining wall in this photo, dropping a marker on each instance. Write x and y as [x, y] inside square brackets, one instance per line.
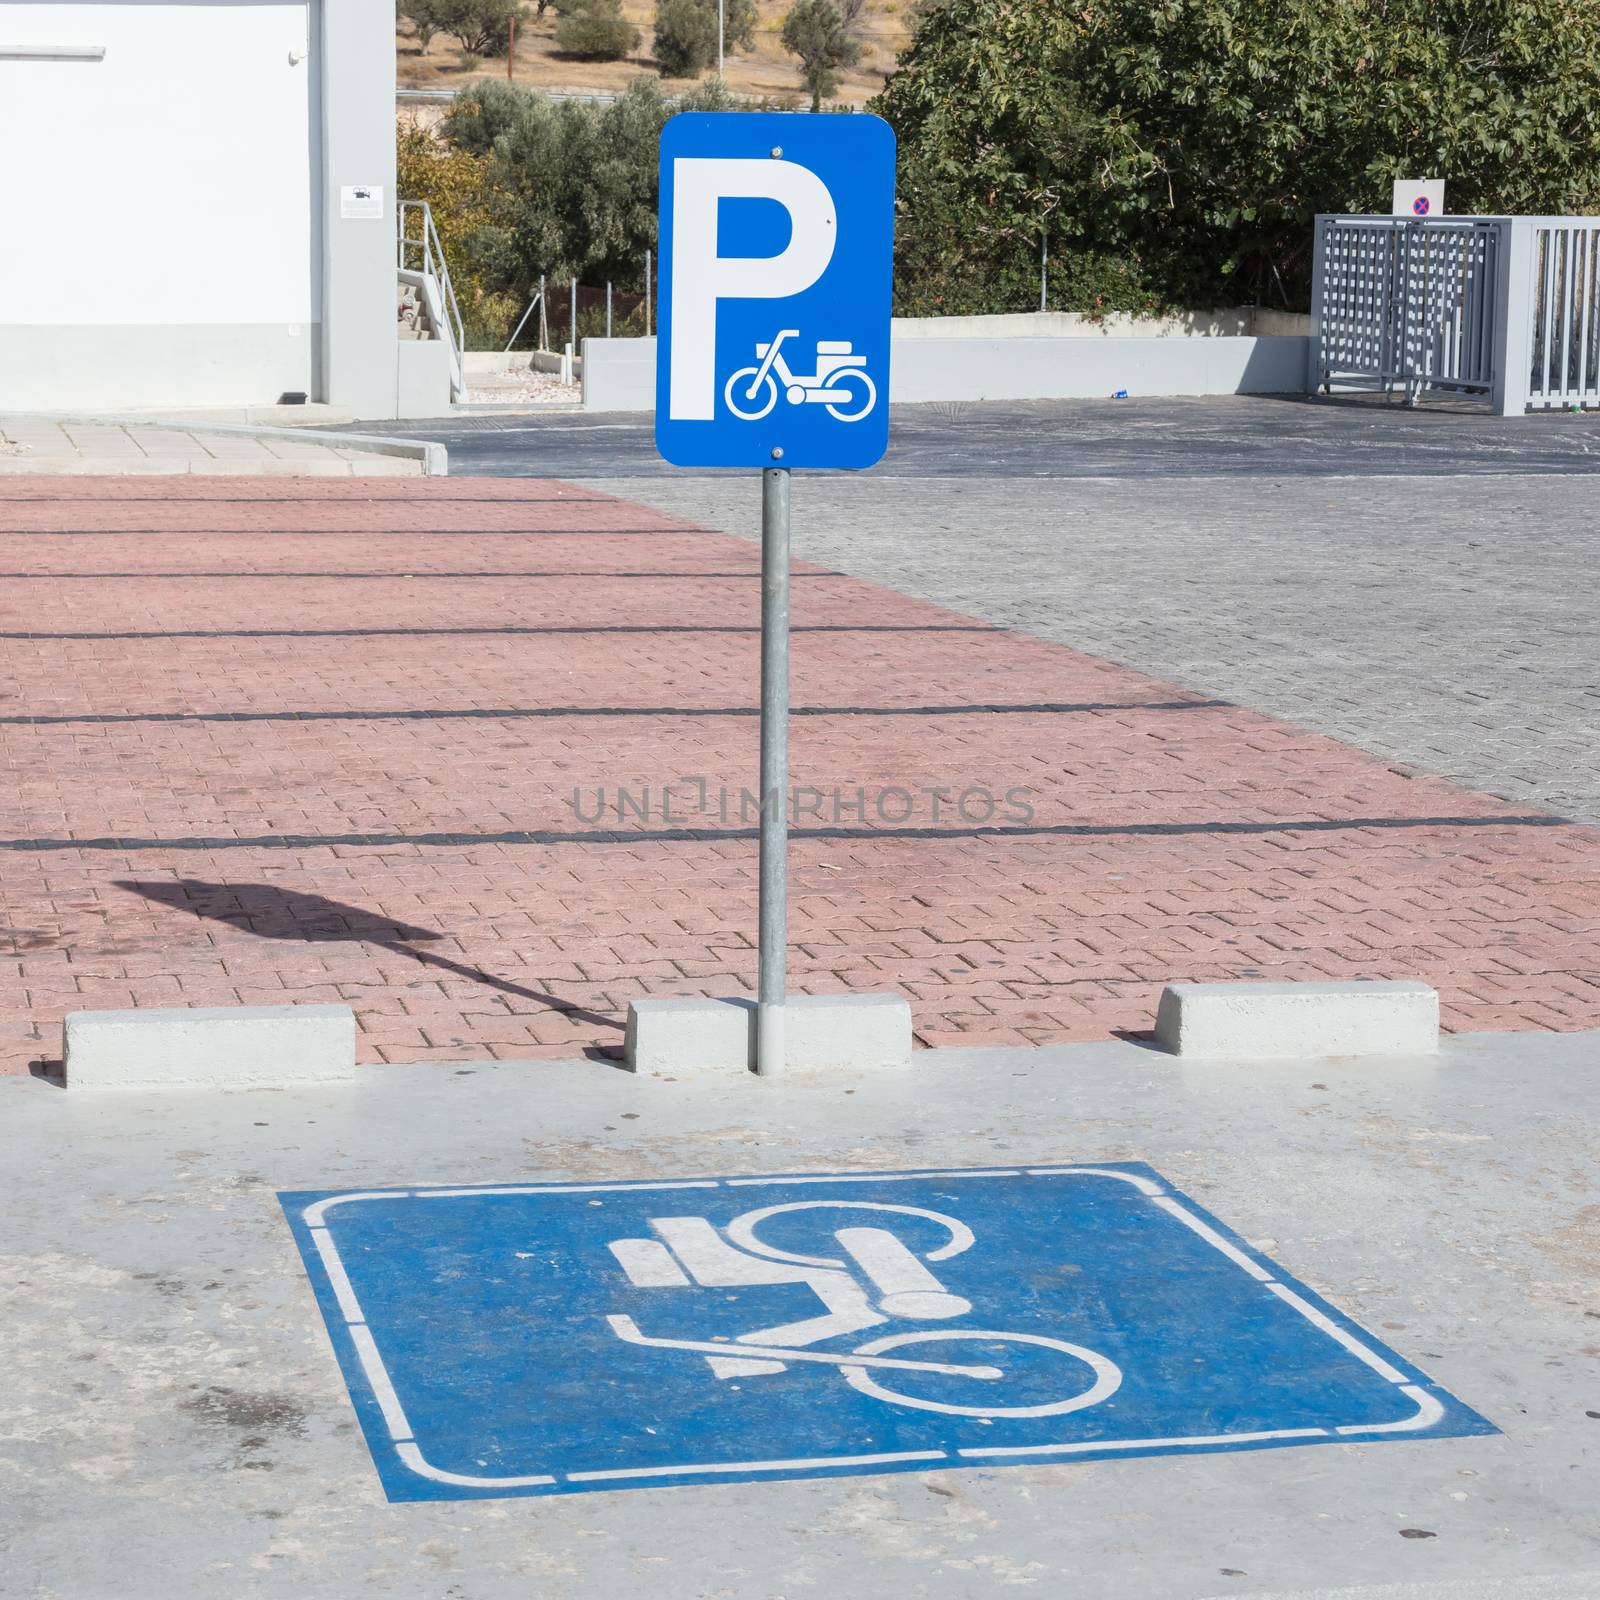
[1073, 369]
[619, 374]
[1231, 322]
[422, 378]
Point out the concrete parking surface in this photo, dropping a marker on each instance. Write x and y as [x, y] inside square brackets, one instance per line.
[190, 1434]
[1248, 437]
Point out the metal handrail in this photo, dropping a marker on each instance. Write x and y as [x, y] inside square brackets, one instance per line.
[430, 264]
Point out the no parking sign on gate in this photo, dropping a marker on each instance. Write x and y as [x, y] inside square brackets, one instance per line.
[1419, 198]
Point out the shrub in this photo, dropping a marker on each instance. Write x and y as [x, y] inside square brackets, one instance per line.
[460, 190]
[816, 31]
[596, 29]
[573, 186]
[686, 33]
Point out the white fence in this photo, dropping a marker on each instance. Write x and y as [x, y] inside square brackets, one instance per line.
[1565, 335]
[1506, 307]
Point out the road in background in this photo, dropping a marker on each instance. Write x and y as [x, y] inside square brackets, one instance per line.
[1233, 437]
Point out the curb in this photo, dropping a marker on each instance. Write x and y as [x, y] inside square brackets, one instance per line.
[435, 458]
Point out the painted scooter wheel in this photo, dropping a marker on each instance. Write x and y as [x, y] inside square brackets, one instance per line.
[838, 381]
[1106, 1375]
[737, 395]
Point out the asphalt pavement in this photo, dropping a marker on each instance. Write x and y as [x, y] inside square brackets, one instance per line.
[1235, 436]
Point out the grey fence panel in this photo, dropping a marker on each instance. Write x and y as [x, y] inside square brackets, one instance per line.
[1408, 305]
[1564, 353]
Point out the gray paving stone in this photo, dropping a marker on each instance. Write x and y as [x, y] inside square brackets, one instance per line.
[1445, 623]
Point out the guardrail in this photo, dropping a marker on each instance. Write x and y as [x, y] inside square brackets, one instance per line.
[599, 97]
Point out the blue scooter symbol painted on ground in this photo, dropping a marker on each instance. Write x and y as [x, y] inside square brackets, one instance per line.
[840, 384]
[691, 1251]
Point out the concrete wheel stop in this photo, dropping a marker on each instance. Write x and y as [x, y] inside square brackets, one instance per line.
[822, 1031]
[1296, 1020]
[221, 1047]
[258, 1047]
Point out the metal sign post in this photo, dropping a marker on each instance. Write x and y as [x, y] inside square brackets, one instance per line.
[777, 234]
[773, 912]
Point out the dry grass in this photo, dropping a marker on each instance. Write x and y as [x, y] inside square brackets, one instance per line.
[766, 71]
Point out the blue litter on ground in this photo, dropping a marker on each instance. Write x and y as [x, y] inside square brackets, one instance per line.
[554, 1338]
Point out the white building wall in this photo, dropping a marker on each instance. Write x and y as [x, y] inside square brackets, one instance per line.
[163, 209]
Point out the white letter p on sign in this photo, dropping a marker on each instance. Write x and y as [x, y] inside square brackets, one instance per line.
[701, 277]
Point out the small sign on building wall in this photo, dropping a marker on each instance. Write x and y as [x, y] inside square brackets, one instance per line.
[361, 201]
[1419, 197]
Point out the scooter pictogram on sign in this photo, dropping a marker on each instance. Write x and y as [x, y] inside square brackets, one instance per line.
[839, 383]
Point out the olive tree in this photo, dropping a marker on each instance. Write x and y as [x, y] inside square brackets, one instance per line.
[595, 29]
[686, 33]
[816, 31]
[480, 27]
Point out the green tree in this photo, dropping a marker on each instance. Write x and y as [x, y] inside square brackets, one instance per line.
[422, 24]
[686, 33]
[1178, 150]
[574, 185]
[481, 113]
[816, 32]
[481, 27]
[460, 190]
[596, 29]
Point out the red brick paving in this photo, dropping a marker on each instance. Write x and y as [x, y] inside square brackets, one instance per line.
[492, 943]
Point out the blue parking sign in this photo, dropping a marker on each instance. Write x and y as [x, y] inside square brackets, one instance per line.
[551, 1338]
[777, 234]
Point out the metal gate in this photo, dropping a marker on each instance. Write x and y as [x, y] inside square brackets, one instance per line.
[1405, 305]
[1507, 307]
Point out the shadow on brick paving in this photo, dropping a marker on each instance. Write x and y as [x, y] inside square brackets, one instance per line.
[269, 912]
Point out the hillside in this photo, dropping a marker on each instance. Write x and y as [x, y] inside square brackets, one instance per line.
[768, 70]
